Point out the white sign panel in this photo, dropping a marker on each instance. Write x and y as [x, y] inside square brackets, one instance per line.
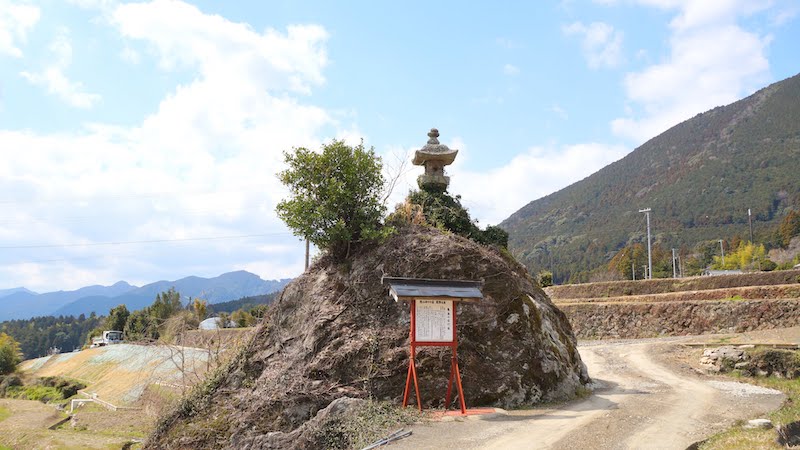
[434, 320]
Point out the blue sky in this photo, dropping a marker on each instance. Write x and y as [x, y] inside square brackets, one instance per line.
[158, 126]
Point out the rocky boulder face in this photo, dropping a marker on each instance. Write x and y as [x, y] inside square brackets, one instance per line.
[335, 333]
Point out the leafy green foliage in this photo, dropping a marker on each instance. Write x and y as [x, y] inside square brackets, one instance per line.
[699, 178]
[145, 324]
[38, 335]
[446, 212]
[545, 278]
[335, 196]
[9, 354]
[117, 317]
[45, 389]
[746, 256]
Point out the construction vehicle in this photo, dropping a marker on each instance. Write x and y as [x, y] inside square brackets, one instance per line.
[109, 337]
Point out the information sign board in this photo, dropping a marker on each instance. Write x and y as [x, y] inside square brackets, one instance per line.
[434, 320]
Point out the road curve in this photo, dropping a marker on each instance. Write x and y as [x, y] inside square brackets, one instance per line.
[638, 403]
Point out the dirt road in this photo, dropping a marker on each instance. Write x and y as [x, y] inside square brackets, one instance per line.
[638, 403]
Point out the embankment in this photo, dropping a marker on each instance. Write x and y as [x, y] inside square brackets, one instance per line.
[673, 307]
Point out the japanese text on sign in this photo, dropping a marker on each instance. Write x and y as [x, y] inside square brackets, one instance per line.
[434, 320]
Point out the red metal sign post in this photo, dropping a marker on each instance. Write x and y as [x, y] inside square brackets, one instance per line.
[433, 324]
[455, 373]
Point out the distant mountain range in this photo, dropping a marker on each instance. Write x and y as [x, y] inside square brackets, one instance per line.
[21, 303]
[699, 178]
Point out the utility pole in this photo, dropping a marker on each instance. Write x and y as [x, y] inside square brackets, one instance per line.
[722, 250]
[750, 220]
[649, 255]
[674, 269]
[307, 245]
[633, 270]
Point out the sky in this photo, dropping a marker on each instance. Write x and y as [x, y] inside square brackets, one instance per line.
[140, 141]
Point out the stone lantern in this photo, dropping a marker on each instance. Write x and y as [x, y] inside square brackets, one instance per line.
[434, 156]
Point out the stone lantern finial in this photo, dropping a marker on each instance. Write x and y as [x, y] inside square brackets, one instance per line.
[432, 135]
[434, 156]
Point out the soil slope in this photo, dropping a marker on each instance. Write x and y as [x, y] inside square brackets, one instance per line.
[335, 334]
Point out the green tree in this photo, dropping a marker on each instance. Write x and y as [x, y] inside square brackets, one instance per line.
[117, 317]
[146, 323]
[335, 196]
[746, 256]
[9, 354]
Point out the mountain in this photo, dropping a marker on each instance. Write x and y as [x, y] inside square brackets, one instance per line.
[25, 304]
[7, 292]
[228, 286]
[699, 178]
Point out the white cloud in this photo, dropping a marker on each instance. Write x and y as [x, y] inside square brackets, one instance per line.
[202, 165]
[493, 195]
[183, 36]
[510, 70]
[601, 43]
[712, 62]
[53, 79]
[16, 20]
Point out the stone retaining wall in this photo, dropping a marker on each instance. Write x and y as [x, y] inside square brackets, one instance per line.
[657, 286]
[642, 320]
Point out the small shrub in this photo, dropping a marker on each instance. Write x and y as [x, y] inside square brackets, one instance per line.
[784, 363]
[768, 265]
[545, 278]
[9, 381]
[43, 394]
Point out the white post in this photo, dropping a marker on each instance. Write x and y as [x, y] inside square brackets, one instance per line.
[649, 254]
[722, 250]
[674, 270]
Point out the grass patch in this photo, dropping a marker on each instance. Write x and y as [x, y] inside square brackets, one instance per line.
[370, 422]
[735, 298]
[43, 394]
[5, 413]
[746, 439]
[45, 390]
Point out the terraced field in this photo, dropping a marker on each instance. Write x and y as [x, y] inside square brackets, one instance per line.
[669, 307]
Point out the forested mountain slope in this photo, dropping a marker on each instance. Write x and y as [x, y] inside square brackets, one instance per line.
[699, 178]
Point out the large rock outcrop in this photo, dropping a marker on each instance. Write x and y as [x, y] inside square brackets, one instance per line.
[335, 333]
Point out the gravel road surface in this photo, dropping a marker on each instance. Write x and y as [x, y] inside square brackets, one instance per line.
[640, 401]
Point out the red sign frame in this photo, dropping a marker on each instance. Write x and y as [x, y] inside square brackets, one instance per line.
[455, 374]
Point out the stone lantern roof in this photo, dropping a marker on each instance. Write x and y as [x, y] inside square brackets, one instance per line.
[434, 156]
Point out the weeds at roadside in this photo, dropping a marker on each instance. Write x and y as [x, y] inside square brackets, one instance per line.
[742, 438]
[368, 423]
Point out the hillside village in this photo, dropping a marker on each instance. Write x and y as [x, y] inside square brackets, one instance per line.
[364, 300]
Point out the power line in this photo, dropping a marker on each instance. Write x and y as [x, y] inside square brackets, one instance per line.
[150, 241]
